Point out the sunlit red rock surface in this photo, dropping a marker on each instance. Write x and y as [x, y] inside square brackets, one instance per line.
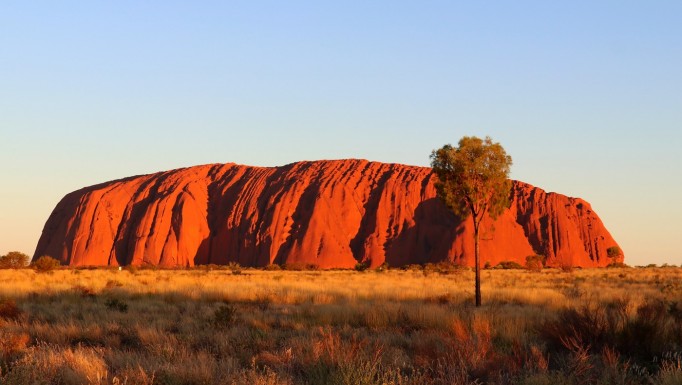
[328, 213]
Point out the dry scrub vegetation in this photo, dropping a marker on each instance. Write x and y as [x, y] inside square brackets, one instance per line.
[601, 326]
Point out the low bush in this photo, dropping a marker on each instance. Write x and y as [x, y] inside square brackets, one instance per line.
[617, 265]
[46, 264]
[9, 309]
[361, 266]
[445, 267]
[299, 266]
[535, 262]
[508, 265]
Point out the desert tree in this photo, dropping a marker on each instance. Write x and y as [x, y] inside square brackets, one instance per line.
[14, 260]
[473, 180]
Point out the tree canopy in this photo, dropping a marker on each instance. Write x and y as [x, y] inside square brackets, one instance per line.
[473, 178]
[14, 260]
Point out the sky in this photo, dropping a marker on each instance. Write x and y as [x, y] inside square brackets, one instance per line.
[585, 96]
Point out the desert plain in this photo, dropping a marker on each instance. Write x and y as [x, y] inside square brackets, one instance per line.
[415, 325]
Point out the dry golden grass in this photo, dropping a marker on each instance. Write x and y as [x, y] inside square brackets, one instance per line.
[339, 327]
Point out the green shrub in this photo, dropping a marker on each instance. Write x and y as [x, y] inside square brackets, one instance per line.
[508, 265]
[362, 266]
[14, 260]
[272, 267]
[613, 252]
[617, 265]
[444, 267]
[46, 264]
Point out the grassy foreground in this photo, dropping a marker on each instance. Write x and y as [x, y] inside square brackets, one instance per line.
[601, 326]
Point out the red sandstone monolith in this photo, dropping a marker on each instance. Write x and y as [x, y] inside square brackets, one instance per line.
[328, 213]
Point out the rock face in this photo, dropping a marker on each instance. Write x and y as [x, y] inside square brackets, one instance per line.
[327, 213]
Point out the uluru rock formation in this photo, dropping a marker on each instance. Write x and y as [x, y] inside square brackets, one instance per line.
[328, 213]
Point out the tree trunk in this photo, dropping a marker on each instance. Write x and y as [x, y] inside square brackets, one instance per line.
[477, 266]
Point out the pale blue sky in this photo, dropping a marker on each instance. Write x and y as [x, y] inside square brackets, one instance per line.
[586, 96]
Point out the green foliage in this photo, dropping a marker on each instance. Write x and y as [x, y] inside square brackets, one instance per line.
[362, 266]
[14, 260]
[614, 251]
[617, 265]
[412, 267]
[508, 265]
[444, 267]
[46, 264]
[473, 178]
[644, 336]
